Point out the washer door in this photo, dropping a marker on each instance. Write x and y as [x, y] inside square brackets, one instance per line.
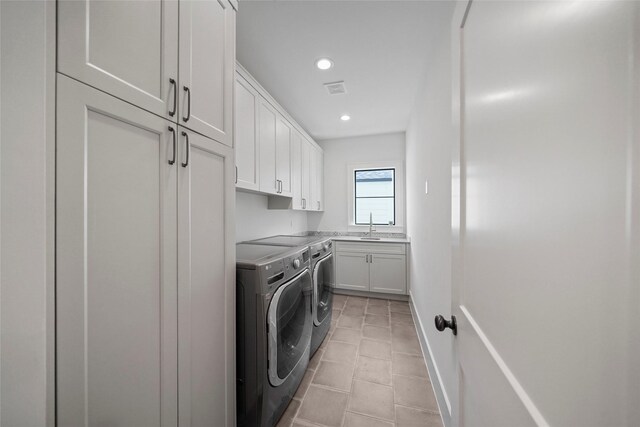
[322, 289]
[289, 327]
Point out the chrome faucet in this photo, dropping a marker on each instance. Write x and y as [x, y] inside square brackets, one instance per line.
[371, 229]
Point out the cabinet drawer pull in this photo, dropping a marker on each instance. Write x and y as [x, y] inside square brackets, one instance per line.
[186, 139]
[186, 89]
[175, 98]
[173, 131]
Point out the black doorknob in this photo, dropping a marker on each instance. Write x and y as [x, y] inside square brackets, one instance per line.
[442, 324]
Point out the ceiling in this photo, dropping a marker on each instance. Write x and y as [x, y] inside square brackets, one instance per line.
[380, 49]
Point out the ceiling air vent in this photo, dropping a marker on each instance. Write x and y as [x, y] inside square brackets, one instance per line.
[336, 88]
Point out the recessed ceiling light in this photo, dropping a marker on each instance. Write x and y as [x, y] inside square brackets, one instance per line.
[345, 117]
[324, 63]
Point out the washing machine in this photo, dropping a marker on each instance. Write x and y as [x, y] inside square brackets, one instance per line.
[273, 329]
[321, 267]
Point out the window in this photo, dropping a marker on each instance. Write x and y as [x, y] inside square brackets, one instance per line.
[375, 196]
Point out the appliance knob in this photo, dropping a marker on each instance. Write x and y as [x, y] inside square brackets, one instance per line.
[325, 247]
[296, 263]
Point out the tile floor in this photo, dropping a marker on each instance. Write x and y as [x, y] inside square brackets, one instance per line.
[369, 371]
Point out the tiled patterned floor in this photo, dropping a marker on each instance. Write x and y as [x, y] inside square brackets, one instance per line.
[369, 372]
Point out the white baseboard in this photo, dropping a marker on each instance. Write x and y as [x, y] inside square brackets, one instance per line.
[444, 404]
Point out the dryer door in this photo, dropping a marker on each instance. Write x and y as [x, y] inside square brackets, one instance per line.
[289, 327]
[322, 289]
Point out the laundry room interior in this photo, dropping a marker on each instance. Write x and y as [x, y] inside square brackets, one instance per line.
[319, 213]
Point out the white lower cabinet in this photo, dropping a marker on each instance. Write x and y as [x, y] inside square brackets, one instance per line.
[352, 271]
[145, 291]
[388, 273]
[372, 267]
[206, 282]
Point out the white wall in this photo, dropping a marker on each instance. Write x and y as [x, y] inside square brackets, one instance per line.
[338, 153]
[254, 220]
[428, 158]
[27, 57]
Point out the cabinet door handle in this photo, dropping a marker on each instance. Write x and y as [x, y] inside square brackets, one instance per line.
[371, 258]
[366, 259]
[236, 174]
[175, 97]
[173, 131]
[186, 89]
[318, 205]
[186, 139]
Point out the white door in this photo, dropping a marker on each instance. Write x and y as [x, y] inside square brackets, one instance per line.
[306, 173]
[352, 271]
[246, 141]
[116, 336]
[267, 147]
[547, 237]
[283, 156]
[388, 273]
[296, 170]
[126, 48]
[207, 67]
[206, 282]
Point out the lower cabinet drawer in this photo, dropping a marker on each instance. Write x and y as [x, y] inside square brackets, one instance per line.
[371, 248]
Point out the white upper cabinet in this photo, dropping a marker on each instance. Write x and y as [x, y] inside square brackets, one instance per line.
[246, 141]
[273, 154]
[306, 173]
[129, 49]
[207, 63]
[267, 118]
[319, 180]
[296, 170]
[126, 48]
[283, 156]
[312, 205]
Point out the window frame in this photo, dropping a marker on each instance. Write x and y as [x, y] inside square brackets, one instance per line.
[399, 200]
[355, 196]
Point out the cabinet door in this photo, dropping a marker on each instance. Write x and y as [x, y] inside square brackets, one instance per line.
[388, 273]
[267, 147]
[246, 141]
[296, 170]
[319, 180]
[306, 173]
[352, 271]
[206, 282]
[283, 156]
[126, 48]
[116, 274]
[207, 67]
[313, 167]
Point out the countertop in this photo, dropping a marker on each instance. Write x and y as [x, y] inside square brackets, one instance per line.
[404, 240]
